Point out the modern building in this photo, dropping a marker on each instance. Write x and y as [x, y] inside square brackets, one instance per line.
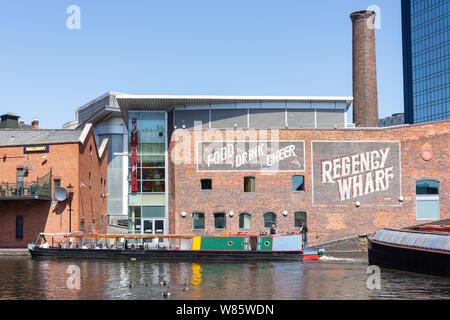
[104, 114]
[34, 163]
[426, 60]
[396, 119]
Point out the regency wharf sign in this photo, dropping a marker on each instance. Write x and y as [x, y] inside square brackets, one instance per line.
[349, 171]
[262, 155]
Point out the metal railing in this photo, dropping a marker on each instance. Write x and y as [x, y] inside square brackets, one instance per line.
[41, 188]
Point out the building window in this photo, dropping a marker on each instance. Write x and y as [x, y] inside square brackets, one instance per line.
[93, 225]
[299, 217]
[220, 220]
[90, 151]
[298, 183]
[198, 221]
[270, 218]
[245, 220]
[206, 184]
[82, 225]
[427, 200]
[101, 224]
[19, 227]
[249, 184]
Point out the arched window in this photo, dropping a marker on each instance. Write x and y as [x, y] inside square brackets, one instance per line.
[270, 218]
[245, 221]
[427, 200]
[299, 217]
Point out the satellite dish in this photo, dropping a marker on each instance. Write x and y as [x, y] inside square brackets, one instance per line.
[60, 193]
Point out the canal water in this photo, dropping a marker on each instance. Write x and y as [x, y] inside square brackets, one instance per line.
[334, 277]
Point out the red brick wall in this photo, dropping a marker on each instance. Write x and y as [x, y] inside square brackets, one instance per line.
[92, 185]
[274, 192]
[69, 162]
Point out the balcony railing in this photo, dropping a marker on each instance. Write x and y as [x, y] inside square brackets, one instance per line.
[41, 188]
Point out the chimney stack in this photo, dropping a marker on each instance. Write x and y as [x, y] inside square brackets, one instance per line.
[365, 99]
[35, 123]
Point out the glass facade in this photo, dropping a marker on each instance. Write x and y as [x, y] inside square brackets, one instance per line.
[147, 172]
[426, 60]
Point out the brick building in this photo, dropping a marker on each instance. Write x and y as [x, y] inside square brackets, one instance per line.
[36, 161]
[240, 164]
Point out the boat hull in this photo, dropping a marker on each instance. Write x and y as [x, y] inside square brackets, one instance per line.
[161, 254]
[409, 259]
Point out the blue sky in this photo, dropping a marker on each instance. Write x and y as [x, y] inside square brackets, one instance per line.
[232, 47]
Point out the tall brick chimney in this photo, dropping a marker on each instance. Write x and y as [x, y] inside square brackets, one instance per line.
[35, 123]
[365, 99]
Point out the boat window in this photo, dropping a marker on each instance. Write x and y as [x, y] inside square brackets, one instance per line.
[219, 220]
[270, 218]
[427, 200]
[198, 221]
[249, 184]
[206, 184]
[299, 217]
[245, 220]
[298, 183]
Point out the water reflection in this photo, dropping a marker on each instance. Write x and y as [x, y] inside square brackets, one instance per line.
[332, 278]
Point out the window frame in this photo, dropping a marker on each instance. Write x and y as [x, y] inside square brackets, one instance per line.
[224, 219]
[272, 221]
[252, 178]
[303, 185]
[19, 234]
[243, 214]
[193, 221]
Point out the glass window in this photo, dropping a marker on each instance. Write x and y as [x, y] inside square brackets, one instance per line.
[206, 184]
[298, 183]
[19, 227]
[153, 186]
[427, 200]
[82, 225]
[153, 174]
[219, 220]
[249, 184]
[299, 217]
[270, 218]
[427, 187]
[245, 220]
[198, 221]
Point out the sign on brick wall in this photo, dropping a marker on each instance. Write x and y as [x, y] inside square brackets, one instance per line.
[348, 171]
[263, 155]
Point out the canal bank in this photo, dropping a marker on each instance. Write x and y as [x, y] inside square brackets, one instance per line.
[14, 252]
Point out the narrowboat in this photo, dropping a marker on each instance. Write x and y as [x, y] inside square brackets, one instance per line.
[173, 247]
[424, 250]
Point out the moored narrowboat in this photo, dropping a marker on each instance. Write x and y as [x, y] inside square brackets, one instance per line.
[173, 247]
[424, 250]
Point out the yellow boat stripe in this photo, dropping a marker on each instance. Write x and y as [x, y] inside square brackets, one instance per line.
[196, 243]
